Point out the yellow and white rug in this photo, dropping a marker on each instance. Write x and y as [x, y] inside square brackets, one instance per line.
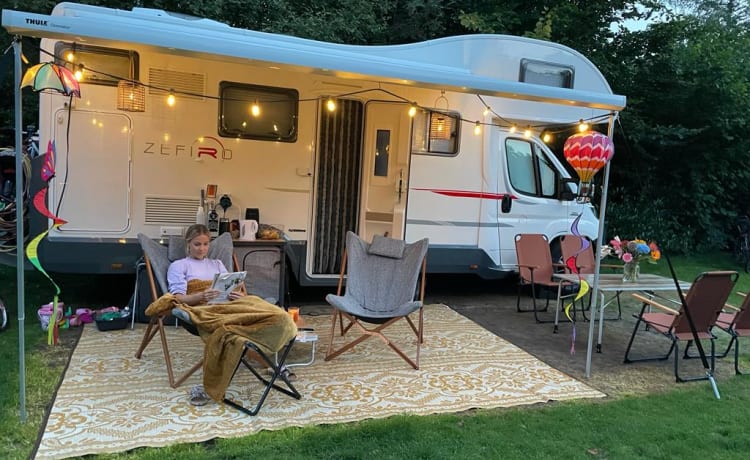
[111, 402]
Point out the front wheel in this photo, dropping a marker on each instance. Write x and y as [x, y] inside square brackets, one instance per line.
[3, 315]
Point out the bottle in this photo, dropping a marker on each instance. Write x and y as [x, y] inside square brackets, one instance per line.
[200, 215]
[213, 223]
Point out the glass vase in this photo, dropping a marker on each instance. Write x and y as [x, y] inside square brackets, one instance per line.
[630, 272]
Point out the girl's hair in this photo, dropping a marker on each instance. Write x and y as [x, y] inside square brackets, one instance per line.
[196, 230]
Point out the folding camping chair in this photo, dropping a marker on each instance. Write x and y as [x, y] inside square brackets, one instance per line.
[157, 258]
[381, 284]
[736, 323]
[535, 269]
[574, 246]
[705, 300]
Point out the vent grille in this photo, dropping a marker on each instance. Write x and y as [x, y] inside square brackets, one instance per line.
[170, 210]
[186, 85]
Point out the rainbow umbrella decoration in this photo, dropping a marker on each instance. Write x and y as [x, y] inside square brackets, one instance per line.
[51, 76]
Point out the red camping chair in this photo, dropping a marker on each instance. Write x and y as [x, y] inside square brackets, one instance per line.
[705, 299]
[736, 323]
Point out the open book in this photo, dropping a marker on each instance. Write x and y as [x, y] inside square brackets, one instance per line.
[226, 283]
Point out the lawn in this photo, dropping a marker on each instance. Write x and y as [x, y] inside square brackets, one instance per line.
[684, 422]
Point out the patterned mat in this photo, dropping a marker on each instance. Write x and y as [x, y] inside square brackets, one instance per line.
[111, 402]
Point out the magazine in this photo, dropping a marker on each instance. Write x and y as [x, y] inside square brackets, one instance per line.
[226, 283]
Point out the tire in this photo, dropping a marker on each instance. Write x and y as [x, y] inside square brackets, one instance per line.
[3, 315]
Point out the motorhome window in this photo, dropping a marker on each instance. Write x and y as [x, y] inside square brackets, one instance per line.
[546, 73]
[101, 66]
[529, 169]
[263, 113]
[435, 132]
[521, 165]
[547, 174]
[382, 152]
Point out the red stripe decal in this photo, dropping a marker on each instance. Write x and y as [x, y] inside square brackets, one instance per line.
[467, 194]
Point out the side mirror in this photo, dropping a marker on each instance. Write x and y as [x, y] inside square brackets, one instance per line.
[565, 191]
[506, 203]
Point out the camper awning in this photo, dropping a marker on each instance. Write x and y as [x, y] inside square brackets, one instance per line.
[155, 28]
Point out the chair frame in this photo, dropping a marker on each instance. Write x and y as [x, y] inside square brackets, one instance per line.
[278, 373]
[376, 331]
[673, 328]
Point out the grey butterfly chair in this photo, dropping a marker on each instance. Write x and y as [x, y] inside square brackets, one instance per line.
[158, 258]
[381, 286]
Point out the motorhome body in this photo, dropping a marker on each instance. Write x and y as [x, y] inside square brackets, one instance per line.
[456, 172]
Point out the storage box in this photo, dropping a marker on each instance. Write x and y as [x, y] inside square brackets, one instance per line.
[111, 321]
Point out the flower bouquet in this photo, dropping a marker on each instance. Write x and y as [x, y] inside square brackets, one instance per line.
[632, 252]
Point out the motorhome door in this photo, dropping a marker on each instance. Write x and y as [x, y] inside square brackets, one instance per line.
[385, 170]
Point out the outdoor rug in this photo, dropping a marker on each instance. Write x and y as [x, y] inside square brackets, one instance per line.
[111, 402]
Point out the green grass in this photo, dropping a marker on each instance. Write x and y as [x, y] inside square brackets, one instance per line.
[685, 422]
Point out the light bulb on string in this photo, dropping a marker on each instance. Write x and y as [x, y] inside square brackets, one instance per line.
[513, 128]
[413, 109]
[477, 128]
[527, 132]
[330, 105]
[171, 99]
[78, 74]
[255, 109]
[582, 126]
[487, 111]
[70, 57]
[546, 137]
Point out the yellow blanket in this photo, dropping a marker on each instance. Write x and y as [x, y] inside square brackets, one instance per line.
[225, 328]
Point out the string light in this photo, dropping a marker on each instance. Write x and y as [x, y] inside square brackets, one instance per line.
[78, 74]
[413, 109]
[547, 135]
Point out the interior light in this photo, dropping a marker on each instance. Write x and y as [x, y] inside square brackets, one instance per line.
[255, 109]
[477, 128]
[331, 105]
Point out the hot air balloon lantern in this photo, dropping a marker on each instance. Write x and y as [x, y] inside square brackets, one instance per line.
[587, 153]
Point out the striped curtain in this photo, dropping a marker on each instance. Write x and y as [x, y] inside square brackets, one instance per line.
[338, 173]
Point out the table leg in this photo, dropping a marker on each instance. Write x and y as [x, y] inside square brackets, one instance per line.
[557, 307]
[602, 306]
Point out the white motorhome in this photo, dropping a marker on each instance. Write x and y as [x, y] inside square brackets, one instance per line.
[457, 172]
